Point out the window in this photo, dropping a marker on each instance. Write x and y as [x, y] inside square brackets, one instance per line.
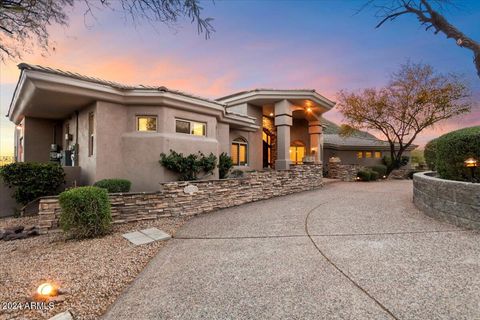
[239, 152]
[297, 152]
[191, 127]
[378, 154]
[368, 154]
[147, 123]
[359, 155]
[91, 133]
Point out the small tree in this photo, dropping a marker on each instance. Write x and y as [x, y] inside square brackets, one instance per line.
[416, 98]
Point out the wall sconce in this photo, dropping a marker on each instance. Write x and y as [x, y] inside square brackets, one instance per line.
[271, 114]
[471, 163]
[18, 127]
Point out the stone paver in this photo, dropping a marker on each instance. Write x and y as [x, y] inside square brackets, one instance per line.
[156, 234]
[369, 254]
[137, 238]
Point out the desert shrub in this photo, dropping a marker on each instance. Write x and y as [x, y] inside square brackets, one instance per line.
[380, 169]
[387, 160]
[453, 149]
[430, 154]
[225, 163]
[85, 212]
[114, 185]
[236, 173]
[374, 175]
[364, 175]
[188, 167]
[32, 180]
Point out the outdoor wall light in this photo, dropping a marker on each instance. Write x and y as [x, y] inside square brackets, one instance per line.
[309, 109]
[271, 114]
[19, 127]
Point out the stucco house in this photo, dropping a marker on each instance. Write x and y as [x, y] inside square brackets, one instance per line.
[100, 129]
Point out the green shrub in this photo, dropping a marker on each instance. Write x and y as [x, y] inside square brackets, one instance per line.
[387, 160]
[374, 176]
[32, 180]
[85, 212]
[364, 175]
[380, 169]
[225, 163]
[188, 167]
[114, 185]
[236, 173]
[453, 149]
[430, 154]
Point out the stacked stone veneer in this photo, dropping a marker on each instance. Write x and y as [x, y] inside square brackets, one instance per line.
[453, 201]
[172, 200]
[344, 172]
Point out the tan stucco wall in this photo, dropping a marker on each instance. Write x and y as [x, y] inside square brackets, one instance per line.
[299, 132]
[38, 136]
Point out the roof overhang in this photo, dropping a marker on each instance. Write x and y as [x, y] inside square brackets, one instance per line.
[54, 96]
[366, 147]
[270, 96]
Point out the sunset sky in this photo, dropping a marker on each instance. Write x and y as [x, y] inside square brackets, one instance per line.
[323, 45]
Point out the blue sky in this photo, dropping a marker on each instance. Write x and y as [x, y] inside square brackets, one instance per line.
[324, 45]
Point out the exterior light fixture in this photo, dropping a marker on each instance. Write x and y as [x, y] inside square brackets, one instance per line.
[384, 177]
[18, 127]
[271, 114]
[46, 290]
[471, 163]
[309, 109]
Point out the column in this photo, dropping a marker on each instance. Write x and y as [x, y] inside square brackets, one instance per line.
[283, 122]
[316, 140]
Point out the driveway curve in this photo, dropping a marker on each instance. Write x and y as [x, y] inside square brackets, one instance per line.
[346, 251]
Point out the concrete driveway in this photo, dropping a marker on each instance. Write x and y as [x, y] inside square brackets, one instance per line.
[347, 251]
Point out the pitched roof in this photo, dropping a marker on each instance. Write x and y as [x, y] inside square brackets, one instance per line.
[356, 142]
[112, 84]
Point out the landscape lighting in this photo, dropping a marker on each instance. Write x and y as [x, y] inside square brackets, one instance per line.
[46, 290]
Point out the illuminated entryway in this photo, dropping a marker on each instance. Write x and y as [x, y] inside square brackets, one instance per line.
[267, 148]
[297, 152]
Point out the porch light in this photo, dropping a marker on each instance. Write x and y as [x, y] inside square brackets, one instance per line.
[18, 127]
[309, 109]
[271, 114]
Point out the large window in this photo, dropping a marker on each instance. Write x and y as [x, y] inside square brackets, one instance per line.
[378, 154]
[190, 127]
[91, 133]
[297, 152]
[239, 152]
[147, 123]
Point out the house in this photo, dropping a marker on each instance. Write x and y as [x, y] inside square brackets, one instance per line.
[361, 148]
[102, 129]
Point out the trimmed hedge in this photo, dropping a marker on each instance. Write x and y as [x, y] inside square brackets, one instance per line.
[430, 154]
[225, 163]
[85, 212]
[114, 185]
[368, 175]
[32, 180]
[380, 169]
[455, 147]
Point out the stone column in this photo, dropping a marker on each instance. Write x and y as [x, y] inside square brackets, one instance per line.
[283, 122]
[316, 140]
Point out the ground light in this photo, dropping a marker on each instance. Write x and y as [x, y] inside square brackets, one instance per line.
[471, 163]
[46, 290]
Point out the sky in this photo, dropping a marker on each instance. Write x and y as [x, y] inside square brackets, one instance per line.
[323, 45]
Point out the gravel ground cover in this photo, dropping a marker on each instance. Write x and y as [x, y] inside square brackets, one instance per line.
[93, 272]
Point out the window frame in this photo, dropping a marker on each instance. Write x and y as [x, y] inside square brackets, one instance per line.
[375, 154]
[360, 155]
[91, 133]
[368, 154]
[190, 127]
[238, 142]
[137, 117]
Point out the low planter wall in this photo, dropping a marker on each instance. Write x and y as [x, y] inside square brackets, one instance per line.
[186, 198]
[344, 172]
[453, 201]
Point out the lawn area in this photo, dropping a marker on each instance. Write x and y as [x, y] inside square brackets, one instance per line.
[93, 272]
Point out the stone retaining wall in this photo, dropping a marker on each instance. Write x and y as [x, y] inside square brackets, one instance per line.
[194, 197]
[453, 201]
[344, 172]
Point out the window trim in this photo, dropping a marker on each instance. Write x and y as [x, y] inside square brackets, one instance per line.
[146, 116]
[190, 122]
[91, 133]
[240, 141]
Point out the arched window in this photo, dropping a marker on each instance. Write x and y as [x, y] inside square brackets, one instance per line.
[297, 152]
[239, 152]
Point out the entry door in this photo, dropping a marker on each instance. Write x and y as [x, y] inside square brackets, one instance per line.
[267, 150]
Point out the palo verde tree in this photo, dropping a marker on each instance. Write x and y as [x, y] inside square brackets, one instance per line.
[24, 23]
[428, 13]
[415, 98]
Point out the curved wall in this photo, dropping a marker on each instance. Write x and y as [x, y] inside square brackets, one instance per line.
[453, 201]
